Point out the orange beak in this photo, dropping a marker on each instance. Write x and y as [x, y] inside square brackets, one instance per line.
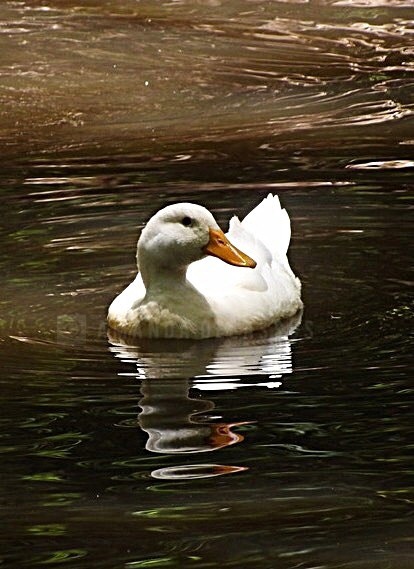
[219, 246]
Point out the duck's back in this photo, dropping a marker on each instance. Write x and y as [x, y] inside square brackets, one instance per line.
[250, 299]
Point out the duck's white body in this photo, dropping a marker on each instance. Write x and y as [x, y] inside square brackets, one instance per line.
[176, 296]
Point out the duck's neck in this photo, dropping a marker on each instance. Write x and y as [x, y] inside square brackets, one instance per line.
[162, 279]
[168, 288]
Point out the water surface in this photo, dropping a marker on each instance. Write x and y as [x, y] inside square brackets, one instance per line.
[285, 449]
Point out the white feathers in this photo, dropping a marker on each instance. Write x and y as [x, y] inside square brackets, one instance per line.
[270, 224]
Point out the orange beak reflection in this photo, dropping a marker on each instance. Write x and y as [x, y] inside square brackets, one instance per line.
[219, 246]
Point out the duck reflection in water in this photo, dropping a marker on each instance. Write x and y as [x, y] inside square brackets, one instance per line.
[178, 423]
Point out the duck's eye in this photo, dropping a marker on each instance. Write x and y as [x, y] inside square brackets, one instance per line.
[186, 221]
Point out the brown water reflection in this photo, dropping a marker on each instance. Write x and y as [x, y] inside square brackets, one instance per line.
[93, 79]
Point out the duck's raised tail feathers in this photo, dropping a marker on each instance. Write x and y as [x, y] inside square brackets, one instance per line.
[271, 224]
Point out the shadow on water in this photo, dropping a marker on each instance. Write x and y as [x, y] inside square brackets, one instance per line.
[114, 455]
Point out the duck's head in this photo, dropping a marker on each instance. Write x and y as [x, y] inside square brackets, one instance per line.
[183, 233]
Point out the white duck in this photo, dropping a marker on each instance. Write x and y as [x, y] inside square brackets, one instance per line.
[184, 290]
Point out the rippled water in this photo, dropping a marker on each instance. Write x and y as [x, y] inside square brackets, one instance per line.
[285, 449]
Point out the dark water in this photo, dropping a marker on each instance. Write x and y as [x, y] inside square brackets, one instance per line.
[287, 449]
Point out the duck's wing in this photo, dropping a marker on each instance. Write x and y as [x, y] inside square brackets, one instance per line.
[213, 277]
[264, 234]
